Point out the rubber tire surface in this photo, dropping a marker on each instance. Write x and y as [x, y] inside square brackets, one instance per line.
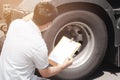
[99, 30]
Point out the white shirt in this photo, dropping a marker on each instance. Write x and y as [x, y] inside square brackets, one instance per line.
[24, 50]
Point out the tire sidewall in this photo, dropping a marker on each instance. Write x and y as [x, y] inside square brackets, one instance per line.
[98, 28]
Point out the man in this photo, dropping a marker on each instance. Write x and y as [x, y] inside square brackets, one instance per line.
[7, 13]
[24, 49]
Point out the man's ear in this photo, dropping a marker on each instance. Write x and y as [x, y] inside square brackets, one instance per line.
[48, 23]
[45, 27]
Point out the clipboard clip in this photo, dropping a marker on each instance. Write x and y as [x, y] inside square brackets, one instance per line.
[71, 39]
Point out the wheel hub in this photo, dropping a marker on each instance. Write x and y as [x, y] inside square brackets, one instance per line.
[80, 32]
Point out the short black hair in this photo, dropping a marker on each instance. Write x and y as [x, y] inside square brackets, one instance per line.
[44, 12]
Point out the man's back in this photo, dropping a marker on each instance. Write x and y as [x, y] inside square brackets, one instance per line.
[22, 49]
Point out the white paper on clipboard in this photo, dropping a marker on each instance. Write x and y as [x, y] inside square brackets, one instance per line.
[64, 49]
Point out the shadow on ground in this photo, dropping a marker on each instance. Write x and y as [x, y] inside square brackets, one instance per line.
[104, 68]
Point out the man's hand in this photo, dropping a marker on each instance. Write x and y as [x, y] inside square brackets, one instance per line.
[53, 70]
[67, 62]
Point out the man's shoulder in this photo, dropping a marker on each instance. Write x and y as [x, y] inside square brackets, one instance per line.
[18, 21]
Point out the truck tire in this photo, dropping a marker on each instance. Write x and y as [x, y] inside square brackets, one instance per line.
[86, 28]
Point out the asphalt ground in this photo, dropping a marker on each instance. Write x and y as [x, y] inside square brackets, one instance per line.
[106, 72]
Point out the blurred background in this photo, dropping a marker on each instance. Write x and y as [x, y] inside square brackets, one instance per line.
[13, 9]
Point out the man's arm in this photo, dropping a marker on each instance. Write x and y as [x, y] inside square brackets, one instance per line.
[53, 70]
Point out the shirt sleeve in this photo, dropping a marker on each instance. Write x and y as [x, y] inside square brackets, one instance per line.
[40, 57]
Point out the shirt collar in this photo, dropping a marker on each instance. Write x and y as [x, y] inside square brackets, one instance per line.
[34, 25]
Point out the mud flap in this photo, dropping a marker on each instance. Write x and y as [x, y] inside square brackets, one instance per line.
[117, 57]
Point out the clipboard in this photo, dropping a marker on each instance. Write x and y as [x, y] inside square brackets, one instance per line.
[65, 48]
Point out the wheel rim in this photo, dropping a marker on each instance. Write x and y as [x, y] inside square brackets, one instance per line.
[81, 33]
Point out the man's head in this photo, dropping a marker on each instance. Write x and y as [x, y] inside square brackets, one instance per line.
[44, 12]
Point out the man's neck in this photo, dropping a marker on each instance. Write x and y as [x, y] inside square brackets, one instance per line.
[43, 27]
